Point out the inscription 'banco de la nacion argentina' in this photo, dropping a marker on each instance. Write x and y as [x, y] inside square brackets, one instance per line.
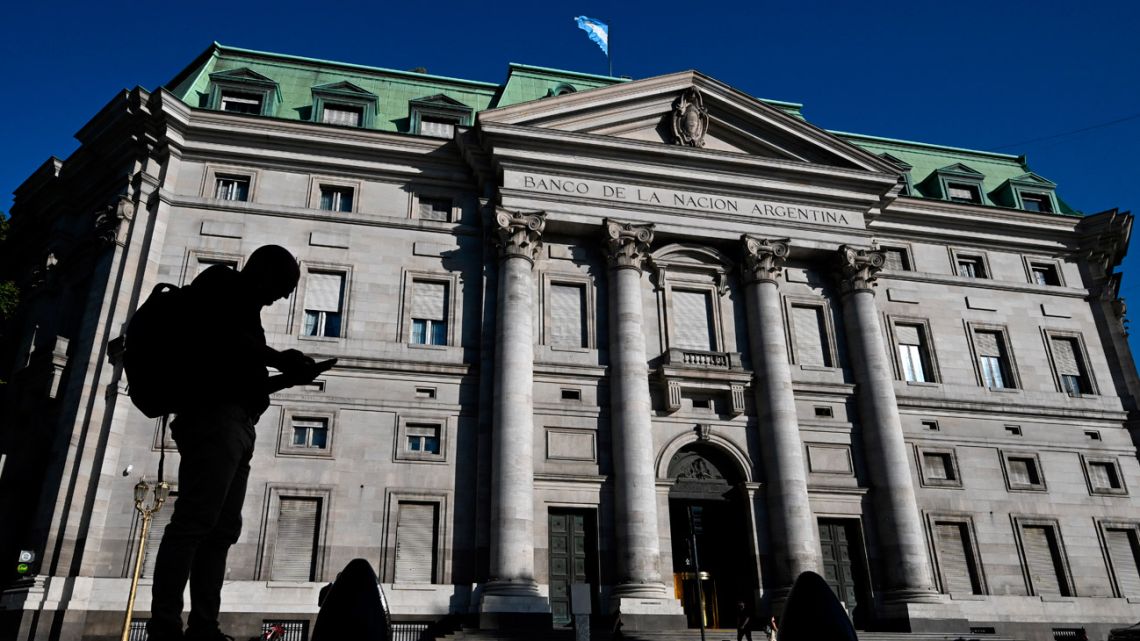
[683, 199]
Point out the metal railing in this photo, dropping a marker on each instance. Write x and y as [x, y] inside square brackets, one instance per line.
[408, 631]
[294, 630]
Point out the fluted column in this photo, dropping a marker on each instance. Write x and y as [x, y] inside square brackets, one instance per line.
[903, 547]
[519, 237]
[630, 416]
[792, 526]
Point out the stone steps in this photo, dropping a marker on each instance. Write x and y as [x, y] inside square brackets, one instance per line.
[562, 634]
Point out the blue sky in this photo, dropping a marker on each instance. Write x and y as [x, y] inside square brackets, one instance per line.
[984, 75]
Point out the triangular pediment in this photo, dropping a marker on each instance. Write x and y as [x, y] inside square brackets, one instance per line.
[1031, 178]
[669, 109]
[242, 75]
[345, 88]
[961, 170]
[439, 100]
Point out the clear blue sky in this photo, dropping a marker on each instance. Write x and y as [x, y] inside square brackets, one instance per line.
[982, 75]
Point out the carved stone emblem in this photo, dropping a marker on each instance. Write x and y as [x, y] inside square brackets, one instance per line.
[859, 267]
[763, 258]
[519, 234]
[627, 244]
[690, 119]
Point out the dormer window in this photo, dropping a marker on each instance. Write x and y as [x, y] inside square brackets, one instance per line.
[437, 116]
[1028, 192]
[963, 193]
[243, 91]
[1036, 202]
[343, 104]
[957, 183]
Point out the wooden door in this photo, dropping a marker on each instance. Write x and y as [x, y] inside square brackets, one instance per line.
[569, 559]
[842, 567]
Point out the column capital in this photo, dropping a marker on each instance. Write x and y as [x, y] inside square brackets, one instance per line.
[627, 244]
[519, 233]
[764, 259]
[859, 268]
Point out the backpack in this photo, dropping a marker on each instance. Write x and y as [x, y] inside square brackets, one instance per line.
[158, 351]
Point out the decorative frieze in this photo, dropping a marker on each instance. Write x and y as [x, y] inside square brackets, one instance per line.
[763, 259]
[519, 233]
[859, 268]
[627, 244]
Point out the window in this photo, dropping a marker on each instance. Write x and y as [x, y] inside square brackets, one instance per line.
[571, 394]
[1068, 360]
[421, 437]
[1124, 558]
[295, 547]
[993, 359]
[241, 102]
[810, 337]
[963, 193]
[914, 353]
[1036, 202]
[324, 299]
[692, 320]
[567, 315]
[231, 187]
[416, 538]
[310, 432]
[1044, 273]
[938, 468]
[438, 116]
[1104, 476]
[437, 127]
[897, 259]
[346, 115]
[336, 198]
[957, 560]
[1044, 561]
[1023, 472]
[429, 313]
[971, 267]
[434, 209]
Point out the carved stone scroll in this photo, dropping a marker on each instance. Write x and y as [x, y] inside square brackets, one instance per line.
[859, 268]
[627, 244]
[519, 233]
[763, 258]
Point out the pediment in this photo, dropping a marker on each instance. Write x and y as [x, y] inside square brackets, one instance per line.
[243, 75]
[961, 170]
[440, 100]
[1031, 178]
[724, 118]
[344, 88]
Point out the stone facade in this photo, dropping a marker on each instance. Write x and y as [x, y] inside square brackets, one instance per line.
[567, 337]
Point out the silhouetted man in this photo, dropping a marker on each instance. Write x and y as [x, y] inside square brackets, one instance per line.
[215, 433]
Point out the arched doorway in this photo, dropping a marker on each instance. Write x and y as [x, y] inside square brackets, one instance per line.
[708, 506]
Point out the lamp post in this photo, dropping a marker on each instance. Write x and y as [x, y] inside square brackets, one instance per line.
[142, 489]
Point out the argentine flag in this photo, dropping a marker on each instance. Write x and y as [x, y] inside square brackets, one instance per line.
[597, 30]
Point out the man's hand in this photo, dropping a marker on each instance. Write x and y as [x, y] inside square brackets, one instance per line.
[293, 362]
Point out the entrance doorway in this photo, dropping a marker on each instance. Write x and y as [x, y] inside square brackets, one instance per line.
[844, 570]
[708, 507]
[573, 558]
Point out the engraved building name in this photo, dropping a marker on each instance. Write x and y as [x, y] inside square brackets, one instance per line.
[682, 199]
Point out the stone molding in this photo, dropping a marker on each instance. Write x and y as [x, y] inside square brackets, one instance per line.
[859, 268]
[519, 234]
[627, 244]
[764, 259]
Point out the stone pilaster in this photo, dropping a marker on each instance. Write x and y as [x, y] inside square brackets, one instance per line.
[903, 546]
[512, 589]
[640, 594]
[793, 532]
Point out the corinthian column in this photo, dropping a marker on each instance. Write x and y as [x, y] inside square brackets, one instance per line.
[640, 590]
[900, 530]
[790, 517]
[512, 588]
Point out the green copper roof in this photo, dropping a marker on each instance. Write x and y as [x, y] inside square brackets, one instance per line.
[393, 90]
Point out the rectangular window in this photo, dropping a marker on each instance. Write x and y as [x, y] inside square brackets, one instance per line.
[346, 115]
[310, 433]
[1036, 202]
[1044, 274]
[429, 313]
[914, 353]
[1070, 366]
[1124, 556]
[963, 193]
[1023, 473]
[324, 300]
[567, 315]
[294, 551]
[971, 267]
[1104, 477]
[810, 333]
[422, 437]
[692, 320]
[437, 127]
[336, 198]
[957, 563]
[896, 260]
[416, 537]
[1043, 560]
[993, 359]
[435, 209]
[232, 188]
[240, 102]
[939, 466]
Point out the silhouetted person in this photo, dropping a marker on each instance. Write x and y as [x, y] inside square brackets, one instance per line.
[743, 622]
[214, 431]
[351, 607]
[814, 613]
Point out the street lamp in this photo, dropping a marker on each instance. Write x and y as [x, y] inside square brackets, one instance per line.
[142, 489]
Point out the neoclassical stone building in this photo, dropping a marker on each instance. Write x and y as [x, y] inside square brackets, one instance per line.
[589, 330]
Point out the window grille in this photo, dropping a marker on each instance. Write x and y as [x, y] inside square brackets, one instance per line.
[294, 553]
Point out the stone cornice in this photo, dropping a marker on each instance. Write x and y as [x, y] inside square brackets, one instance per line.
[763, 259]
[627, 244]
[859, 268]
[519, 234]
